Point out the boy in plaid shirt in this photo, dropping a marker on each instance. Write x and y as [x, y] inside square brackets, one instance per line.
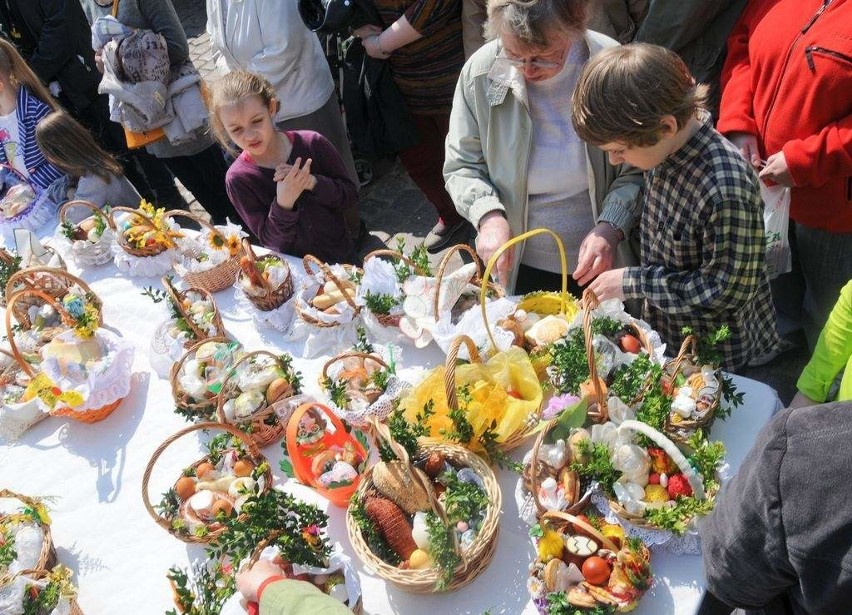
[701, 232]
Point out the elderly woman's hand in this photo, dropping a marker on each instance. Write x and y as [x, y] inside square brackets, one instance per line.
[609, 285]
[250, 579]
[494, 231]
[597, 253]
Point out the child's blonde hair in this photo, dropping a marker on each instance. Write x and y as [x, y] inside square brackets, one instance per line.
[14, 70]
[233, 88]
[624, 92]
[71, 148]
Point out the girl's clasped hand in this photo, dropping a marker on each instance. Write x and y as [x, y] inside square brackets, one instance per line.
[292, 181]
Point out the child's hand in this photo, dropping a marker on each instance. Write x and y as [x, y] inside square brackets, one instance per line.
[292, 182]
[609, 285]
[597, 252]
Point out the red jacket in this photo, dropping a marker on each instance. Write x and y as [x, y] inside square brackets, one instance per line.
[788, 80]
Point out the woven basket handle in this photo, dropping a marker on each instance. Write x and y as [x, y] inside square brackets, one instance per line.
[563, 516]
[442, 266]
[140, 215]
[694, 478]
[5, 256]
[253, 450]
[539, 440]
[591, 303]
[175, 296]
[398, 256]
[263, 412]
[29, 501]
[69, 205]
[180, 213]
[255, 555]
[176, 367]
[450, 366]
[345, 355]
[309, 259]
[10, 334]
[24, 276]
[492, 262]
[687, 349]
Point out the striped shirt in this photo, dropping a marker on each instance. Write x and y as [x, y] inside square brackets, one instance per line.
[426, 71]
[702, 250]
[29, 112]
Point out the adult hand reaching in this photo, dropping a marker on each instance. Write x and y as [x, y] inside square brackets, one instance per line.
[494, 231]
[747, 144]
[597, 252]
[609, 285]
[249, 579]
[292, 181]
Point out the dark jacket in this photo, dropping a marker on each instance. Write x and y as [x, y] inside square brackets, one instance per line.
[781, 531]
[63, 51]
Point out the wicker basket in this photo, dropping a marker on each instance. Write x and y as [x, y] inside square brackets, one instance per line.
[141, 219]
[264, 426]
[477, 280]
[680, 432]
[253, 451]
[372, 356]
[54, 283]
[204, 409]
[269, 298]
[219, 277]
[308, 261]
[392, 320]
[39, 574]
[84, 251]
[47, 556]
[177, 297]
[474, 560]
[7, 258]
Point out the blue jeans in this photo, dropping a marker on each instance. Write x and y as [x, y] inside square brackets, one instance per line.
[822, 265]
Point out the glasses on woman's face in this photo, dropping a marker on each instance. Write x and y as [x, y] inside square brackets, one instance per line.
[545, 62]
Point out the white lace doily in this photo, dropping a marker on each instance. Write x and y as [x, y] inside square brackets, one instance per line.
[687, 544]
[15, 419]
[280, 319]
[472, 325]
[380, 408]
[165, 349]
[144, 266]
[381, 334]
[85, 253]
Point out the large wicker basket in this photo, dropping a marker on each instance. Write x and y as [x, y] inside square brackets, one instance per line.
[177, 296]
[264, 426]
[680, 432]
[140, 218]
[219, 277]
[40, 574]
[47, 556]
[253, 451]
[392, 320]
[473, 561]
[53, 282]
[84, 251]
[269, 298]
[309, 261]
[10, 289]
[203, 409]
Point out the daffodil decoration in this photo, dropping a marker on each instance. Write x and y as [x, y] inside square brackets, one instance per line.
[42, 387]
[153, 229]
[82, 313]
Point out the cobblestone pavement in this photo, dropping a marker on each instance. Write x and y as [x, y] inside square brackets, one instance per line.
[392, 206]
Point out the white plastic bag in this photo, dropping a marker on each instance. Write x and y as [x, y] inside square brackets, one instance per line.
[776, 221]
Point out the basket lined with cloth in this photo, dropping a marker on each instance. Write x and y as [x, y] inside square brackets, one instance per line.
[211, 258]
[88, 240]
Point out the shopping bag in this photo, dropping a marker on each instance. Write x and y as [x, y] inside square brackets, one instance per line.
[776, 221]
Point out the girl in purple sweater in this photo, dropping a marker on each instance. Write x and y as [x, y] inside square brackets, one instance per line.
[291, 188]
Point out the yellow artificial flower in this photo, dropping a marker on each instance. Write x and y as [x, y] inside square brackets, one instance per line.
[234, 245]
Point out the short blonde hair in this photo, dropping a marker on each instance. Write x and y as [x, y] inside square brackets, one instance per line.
[624, 93]
[234, 87]
[534, 21]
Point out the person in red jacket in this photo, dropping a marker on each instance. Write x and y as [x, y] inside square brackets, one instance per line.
[786, 104]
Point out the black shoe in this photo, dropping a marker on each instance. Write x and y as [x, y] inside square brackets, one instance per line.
[442, 236]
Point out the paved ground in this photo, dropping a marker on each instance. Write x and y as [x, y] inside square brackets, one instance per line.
[392, 206]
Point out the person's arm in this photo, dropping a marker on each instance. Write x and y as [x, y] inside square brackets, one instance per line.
[291, 597]
[676, 23]
[743, 540]
[421, 19]
[732, 267]
[273, 225]
[55, 45]
[832, 351]
[334, 188]
[163, 19]
[814, 160]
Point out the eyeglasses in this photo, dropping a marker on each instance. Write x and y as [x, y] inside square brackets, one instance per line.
[543, 64]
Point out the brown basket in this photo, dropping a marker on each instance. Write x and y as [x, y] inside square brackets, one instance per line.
[680, 432]
[372, 356]
[582, 501]
[515, 440]
[204, 409]
[271, 298]
[474, 560]
[41, 573]
[177, 297]
[476, 280]
[96, 253]
[388, 320]
[47, 556]
[218, 277]
[7, 258]
[258, 429]
[308, 260]
[141, 219]
[254, 452]
[51, 281]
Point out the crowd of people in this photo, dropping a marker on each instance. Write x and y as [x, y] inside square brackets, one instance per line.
[640, 132]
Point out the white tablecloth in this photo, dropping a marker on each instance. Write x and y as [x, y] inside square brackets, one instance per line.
[120, 556]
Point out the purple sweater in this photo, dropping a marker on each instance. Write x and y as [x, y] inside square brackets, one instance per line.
[315, 225]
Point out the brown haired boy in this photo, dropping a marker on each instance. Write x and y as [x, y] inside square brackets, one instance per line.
[701, 232]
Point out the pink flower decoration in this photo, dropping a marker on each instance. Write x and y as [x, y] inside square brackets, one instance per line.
[557, 404]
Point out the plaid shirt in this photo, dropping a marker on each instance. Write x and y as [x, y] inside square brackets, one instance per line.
[703, 250]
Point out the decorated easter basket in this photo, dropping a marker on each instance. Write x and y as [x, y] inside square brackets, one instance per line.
[312, 446]
[201, 408]
[390, 320]
[616, 583]
[39, 579]
[32, 216]
[144, 221]
[114, 385]
[84, 251]
[51, 285]
[33, 511]
[307, 312]
[218, 277]
[678, 428]
[261, 295]
[173, 513]
[472, 560]
[263, 425]
[356, 394]
[51, 281]
[16, 416]
[178, 297]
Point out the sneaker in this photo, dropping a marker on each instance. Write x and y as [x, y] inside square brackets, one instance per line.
[442, 236]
